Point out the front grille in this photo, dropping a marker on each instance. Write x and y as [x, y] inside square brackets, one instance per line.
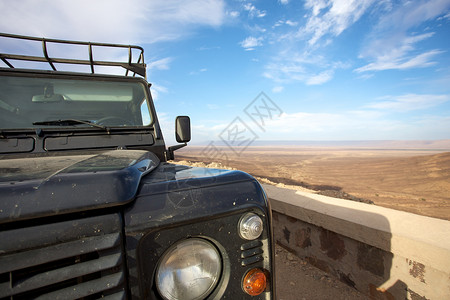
[80, 259]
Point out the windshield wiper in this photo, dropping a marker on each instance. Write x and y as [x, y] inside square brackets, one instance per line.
[70, 122]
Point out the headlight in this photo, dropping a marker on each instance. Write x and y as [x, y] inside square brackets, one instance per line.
[250, 226]
[188, 270]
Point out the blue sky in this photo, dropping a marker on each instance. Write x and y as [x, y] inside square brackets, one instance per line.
[327, 69]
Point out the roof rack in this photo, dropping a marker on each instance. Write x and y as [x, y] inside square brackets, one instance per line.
[137, 67]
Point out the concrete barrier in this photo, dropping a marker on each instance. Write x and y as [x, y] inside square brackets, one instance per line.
[384, 253]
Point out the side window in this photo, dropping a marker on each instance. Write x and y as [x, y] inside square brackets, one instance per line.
[145, 113]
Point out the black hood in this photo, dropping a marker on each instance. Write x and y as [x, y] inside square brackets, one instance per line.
[45, 186]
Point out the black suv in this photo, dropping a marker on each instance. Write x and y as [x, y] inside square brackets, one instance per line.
[89, 206]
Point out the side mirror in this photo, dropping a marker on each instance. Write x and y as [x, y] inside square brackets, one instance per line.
[182, 134]
[183, 129]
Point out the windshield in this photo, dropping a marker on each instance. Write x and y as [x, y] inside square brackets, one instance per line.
[32, 102]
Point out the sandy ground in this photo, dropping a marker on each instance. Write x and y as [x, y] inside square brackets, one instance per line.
[416, 181]
[298, 280]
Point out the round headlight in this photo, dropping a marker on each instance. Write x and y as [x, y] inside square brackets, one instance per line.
[188, 270]
[250, 226]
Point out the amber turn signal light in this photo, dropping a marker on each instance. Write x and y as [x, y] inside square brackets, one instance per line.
[255, 282]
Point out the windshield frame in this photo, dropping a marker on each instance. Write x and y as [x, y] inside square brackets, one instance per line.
[52, 75]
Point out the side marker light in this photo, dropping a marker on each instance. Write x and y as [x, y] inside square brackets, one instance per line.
[255, 282]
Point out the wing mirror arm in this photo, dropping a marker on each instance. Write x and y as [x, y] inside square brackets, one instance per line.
[182, 135]
[171, 149]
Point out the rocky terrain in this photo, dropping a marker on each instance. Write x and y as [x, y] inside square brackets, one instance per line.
[416, 181]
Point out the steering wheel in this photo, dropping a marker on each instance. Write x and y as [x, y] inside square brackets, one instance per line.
[113, 120]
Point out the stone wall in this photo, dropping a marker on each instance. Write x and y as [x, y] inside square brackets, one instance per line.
[383, 253]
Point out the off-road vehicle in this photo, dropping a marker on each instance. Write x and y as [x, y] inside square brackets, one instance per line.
[91, 208]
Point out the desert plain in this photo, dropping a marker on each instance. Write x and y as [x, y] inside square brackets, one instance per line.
[411, 178]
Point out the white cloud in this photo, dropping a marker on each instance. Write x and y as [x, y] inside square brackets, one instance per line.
[278, 24]
[403, 44]
[347, 125]
[325, 19]
[401, 63]
[160, 64]
[233, 14]
[355, 125]
[156, 90]
[110, 20]
[409, 14]
[409, 102]
[113, 21]
[316, 6]
[198, 71]
[370, 122]
[332, 17]
[277, 89]
[256, 29]
[283, 22]
[253, 11]
[393, 44]
[310, 69]
[320, 78]
[251, 42]
[331, 126]
[290, 66]
[291, 23]
[388, 46]
[285, 71]
[306, 122]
